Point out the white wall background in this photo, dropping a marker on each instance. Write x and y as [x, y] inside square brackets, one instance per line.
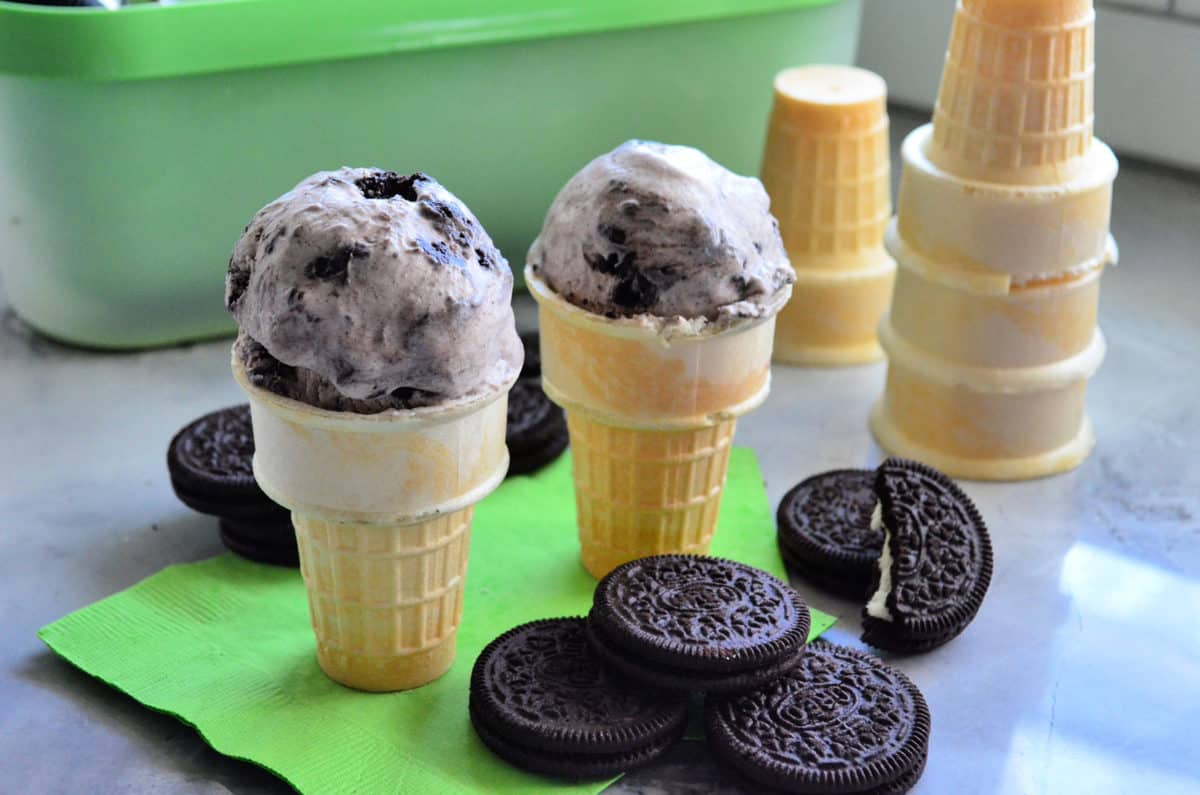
[1147, 68]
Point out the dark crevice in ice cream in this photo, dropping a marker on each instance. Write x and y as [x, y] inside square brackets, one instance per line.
[370, 303]
[331, 267]
[389, 184]
[651, 229]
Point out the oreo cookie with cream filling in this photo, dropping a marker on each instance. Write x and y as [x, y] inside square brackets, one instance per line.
[936, 563]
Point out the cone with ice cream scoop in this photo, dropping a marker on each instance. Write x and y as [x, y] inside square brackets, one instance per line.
[658, 275]
[377, 346]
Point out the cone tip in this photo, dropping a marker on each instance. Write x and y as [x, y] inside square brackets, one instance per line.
[824, 84]
[1029, 14]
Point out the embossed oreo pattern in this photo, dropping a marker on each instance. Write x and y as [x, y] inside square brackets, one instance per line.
[841, 721]
[831, 512]
[540, 685]
[942, 557]
[220, 444]
[210, 464]
[700, 613]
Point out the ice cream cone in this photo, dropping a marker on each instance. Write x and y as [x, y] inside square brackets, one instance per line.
[826, 168]
[969, 225]
[1016, 99]
[985, 423]
[963, 322]
[986, 379]
[382, 506]
[651, 414]
[831, 318]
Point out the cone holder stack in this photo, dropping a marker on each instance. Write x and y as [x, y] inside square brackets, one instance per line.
[1001, 236]
[826, 167]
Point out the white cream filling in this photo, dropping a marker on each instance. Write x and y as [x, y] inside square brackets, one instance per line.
[877, 607]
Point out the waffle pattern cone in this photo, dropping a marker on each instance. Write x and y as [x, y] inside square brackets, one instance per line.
[644, 492]
[826, 167]
[1016, 99]
[385, 600]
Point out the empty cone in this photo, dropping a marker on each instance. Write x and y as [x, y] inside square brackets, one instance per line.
[826, 168]
[1016, 99]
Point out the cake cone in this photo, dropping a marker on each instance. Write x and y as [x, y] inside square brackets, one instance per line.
[1015, 103]
[382, 505]
[986, 379]
[985, 423]
[651, 419]
[826, 168]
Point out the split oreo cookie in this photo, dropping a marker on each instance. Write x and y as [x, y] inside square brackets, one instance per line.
[687, 622]
[542, 700]
[936, 564]
[537, 429]
[841, 721]
[825, 532]
[210, 464]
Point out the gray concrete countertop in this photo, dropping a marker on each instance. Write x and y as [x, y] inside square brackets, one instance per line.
[1081, 673]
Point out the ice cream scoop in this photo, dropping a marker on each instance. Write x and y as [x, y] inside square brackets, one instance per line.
[659, 230]
[363, 290]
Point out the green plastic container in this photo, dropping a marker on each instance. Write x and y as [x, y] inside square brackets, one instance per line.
[135, 144]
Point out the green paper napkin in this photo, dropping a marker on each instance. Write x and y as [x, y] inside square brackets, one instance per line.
[225, 645]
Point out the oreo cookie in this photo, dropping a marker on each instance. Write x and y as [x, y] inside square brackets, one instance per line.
[270, 542]
[542, 700]
[841, 721]
[210, 464]
[688, 622]
[936, 564]
[537, 429]
[825, 532]
[532, 368]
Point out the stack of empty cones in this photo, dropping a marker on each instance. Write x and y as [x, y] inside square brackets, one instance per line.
[1001, 235]
[826, 168]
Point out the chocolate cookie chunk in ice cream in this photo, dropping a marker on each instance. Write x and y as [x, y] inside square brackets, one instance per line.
[653, 229]
[364, 290]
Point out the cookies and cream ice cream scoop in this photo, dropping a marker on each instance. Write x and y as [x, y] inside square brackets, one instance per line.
[363, 290]
[662, 230]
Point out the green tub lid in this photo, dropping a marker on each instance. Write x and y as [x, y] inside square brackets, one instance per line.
[150, 41]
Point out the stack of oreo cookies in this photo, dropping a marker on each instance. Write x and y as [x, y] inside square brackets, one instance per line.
[903, 538]
[587, 698]
[537, 429]
[209, 461]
